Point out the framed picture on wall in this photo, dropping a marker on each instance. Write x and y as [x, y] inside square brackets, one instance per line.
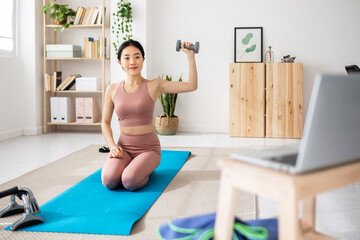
[248, 44]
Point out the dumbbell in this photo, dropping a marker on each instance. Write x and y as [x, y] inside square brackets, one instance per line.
[195, 47]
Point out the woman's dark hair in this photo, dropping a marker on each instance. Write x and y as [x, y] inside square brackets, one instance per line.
[128, 43]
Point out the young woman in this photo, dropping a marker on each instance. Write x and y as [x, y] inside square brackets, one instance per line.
[137, 152]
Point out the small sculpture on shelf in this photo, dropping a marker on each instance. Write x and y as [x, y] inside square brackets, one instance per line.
[288, 59]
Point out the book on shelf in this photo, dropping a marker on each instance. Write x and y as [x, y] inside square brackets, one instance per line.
[62, 83]
[57, 79]
[88, 42]
[81, 18]
[85, 16]
[88, 16]
[51, 81]
[94, 48]
[79, 13]
[68, 82]
[94, 15]
[68, 85]
[98, 20]
[48, 82]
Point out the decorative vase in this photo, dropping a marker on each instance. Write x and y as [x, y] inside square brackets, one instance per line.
[165, 125]
[269, 55]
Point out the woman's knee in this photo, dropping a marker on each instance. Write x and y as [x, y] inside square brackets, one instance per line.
[110, 182]
[133, 182]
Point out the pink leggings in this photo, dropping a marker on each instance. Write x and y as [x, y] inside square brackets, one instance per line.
[142, 154]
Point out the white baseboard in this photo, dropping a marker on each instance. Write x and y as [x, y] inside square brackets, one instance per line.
[11, 134]
[189, 128]
[202, 129]
[20, 132]
[33, 131]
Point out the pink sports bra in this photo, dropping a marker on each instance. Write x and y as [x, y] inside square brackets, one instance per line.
[134, 109]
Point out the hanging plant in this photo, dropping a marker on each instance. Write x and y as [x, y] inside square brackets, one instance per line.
[122, 23]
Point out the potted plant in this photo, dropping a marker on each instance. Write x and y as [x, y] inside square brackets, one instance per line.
[167, 123]
[122, 22]
[288, 59]
[59, 14]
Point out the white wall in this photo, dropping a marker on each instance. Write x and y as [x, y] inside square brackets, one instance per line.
[11, 91]
[22, 96]
[323, 34]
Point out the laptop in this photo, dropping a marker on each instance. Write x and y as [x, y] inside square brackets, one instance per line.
[331, 134]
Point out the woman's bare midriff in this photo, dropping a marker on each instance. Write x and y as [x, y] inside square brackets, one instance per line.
[137, 130]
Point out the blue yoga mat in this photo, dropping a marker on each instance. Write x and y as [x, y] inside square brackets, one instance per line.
[88, 207]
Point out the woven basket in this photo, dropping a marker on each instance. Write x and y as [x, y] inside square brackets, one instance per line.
[164, 125]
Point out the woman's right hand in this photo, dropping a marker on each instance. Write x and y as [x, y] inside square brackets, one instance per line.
[116, 152]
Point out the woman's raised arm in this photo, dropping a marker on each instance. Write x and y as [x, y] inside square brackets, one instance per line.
[179, 87]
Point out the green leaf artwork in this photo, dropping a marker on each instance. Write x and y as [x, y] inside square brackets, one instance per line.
[251, 49]
[246, 41]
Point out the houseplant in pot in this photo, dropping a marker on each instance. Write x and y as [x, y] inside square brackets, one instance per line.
[167, 123]
[59, 14]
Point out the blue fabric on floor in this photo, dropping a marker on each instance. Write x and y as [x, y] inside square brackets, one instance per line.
[88, 207]
[202, 227]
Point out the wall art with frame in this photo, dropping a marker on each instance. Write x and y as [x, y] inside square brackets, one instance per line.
[248, 44]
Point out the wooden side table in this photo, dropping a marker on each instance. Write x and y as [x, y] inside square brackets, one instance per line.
[286, 189]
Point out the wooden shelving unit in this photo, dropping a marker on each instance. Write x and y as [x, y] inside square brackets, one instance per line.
[51, 63]
[74, 91]
[75, 123]
[76, 26]
[74, 59]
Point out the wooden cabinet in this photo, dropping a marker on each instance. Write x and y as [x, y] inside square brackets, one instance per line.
[266, 100]
[247, 99]
[52, 34]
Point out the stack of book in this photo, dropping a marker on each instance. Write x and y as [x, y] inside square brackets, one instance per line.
[52, 81]
[94, 48]
[88, 16]
[68, 83]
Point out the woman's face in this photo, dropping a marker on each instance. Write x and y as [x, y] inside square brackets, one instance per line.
[131, 60]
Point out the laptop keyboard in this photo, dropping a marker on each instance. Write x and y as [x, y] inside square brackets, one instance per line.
[286, 159]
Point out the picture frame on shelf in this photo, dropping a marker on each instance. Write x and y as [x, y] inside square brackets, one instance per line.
[248, 44]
